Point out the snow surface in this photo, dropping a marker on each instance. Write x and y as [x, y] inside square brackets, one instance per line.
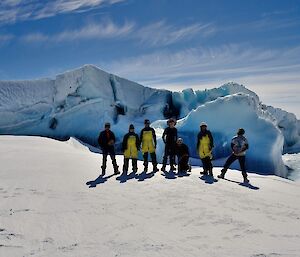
[54, 204]
[78, 103]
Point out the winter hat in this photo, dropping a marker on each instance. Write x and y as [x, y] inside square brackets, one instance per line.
[203, 124]
[241, 132]
[107, 125]
[171, 120]
[131, 126]
[179, 140]
[147, 121]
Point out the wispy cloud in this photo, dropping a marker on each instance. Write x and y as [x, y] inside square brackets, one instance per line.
[5, 38]
[208, 65]
[12, 11]
[155, 34]
[102, 30]
[161, 34]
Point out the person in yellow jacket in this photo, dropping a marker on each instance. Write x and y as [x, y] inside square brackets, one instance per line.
[148, 142]
[205, 144]
[131, 146]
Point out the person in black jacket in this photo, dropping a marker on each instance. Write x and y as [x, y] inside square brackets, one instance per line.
[169, 137]
[183, 155]
[106, 142]
[148, 145]
[131, 146]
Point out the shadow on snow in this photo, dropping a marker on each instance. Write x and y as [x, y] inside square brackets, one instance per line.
[100, 180]
[248, 185]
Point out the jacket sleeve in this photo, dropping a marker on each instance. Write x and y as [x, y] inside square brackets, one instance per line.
[154, 137]
[113, 136]
[141, 135]
[100, 140]
[138, 142]
[198, 141]
[124, 143]
[246, 144]
[211, 139]
[232, 144]
[176, 135]
[164, 136]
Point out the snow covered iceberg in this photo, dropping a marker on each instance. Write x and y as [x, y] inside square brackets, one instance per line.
[77, 104]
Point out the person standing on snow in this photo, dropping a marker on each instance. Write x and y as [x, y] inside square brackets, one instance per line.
[169, 137]
[131, 146]
[239, 145]
[205, 144]
[182, 152]
[106, 141]
[148, 141]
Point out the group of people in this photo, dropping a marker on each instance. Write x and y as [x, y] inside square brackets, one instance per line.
[174, 147]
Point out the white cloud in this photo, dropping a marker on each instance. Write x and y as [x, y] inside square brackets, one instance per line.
[105, 29]
[162, 34]
[199, 66]
[12, 11]
[155, 34]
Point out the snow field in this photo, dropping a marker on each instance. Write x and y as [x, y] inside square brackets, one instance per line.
[48, 208]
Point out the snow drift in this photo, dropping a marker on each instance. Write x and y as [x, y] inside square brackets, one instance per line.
[78, 102]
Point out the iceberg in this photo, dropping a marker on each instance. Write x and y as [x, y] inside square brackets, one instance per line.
[77, 103]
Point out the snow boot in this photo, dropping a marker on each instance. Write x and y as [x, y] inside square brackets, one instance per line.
[116, 170]
[172, 168]
[246, 180]
[204, 172]
[222, 175]
[103, 170]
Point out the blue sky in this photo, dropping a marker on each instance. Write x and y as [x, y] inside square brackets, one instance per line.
[170, 44]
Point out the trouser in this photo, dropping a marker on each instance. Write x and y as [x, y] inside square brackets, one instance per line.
[153, 159]
[183, 163]
[231, 159]
[111, 152]
[207, 165]
[169, 152]
[126, 164]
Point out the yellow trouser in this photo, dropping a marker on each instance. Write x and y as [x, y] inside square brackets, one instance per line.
[131, 151]
[204, 147]
[147, 142]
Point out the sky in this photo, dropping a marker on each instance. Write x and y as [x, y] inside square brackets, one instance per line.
[172, 44]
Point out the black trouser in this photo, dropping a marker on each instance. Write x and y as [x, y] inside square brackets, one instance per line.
[207, 165]
[153, 159]
[126, 165]
[169, 152]
[231, 159]
[110, 150]
[183, 163]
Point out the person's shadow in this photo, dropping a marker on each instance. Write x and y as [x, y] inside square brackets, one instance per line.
[169, 175]
[208, 179]
[124, 176]
[243, 184]
[100, 180]
[144, 175]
